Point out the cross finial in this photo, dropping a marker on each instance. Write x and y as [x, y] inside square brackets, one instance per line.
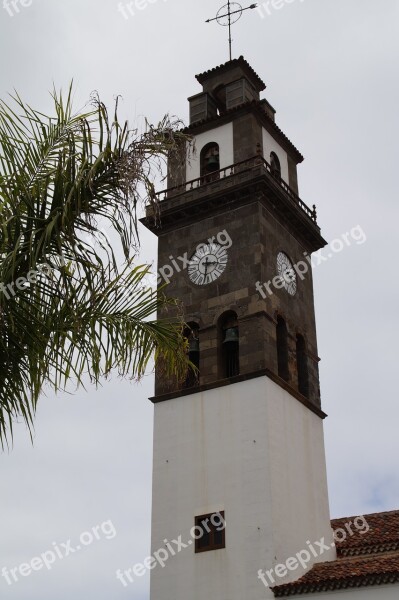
[228, 15]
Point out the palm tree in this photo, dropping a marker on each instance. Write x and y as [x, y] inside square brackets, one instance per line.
[67, 310]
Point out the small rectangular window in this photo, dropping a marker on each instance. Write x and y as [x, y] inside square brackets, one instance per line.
[210, 532]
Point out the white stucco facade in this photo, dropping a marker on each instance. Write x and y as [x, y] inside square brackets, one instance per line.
[220, 135]
[254, 451]
[270, 145]
[375, 592]
[223, 136]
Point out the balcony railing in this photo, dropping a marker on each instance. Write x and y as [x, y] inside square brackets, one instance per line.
[238, 168]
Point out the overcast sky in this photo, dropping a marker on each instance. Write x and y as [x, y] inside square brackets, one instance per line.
[331, 69]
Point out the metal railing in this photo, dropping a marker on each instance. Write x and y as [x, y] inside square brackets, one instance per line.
[235, 169]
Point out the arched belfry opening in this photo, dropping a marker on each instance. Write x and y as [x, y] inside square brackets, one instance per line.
[275, 165]
[219, 95]
[210, 162]
[191, 333]
[282, 348]
[229, 345]
[302, 365]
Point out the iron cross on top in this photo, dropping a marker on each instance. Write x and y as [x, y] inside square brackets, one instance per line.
[228, 15]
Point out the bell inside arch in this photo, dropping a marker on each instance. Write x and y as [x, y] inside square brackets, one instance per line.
[231, 335]
[212, 163]
[193, 344]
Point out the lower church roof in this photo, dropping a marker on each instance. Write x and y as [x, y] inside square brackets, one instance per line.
[363, 559]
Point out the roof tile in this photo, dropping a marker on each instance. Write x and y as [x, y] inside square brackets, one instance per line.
[364, 559]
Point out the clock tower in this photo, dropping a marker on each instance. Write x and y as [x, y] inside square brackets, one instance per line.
[242, 436]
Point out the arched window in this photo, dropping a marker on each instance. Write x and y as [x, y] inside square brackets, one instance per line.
[210, 162]
[275, 165]
[282, 348]
[229, 345]
[302, 365]
[191, 333]
[219, 94]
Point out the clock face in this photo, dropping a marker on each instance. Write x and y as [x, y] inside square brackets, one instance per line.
[207, 263]
[286, 270]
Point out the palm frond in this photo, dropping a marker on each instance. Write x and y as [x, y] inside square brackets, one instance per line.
[66, 309]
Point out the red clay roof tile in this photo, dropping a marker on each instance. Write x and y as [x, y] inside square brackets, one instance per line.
[366, 559]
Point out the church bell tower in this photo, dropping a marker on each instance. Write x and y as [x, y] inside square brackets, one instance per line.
[242, 437]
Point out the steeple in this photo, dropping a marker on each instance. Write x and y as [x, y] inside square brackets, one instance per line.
[242, 178]
[242, 437]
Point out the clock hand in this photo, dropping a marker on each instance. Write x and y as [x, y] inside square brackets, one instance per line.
[216, 262]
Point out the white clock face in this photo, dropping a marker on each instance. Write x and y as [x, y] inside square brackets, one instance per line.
[286, 271]
[207, 263]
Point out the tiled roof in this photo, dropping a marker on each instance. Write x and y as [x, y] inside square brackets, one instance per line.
[241, 62]
[364, 559]
[383, 535]
[343, 574]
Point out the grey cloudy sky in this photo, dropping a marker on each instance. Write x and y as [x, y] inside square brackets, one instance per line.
[331, 69]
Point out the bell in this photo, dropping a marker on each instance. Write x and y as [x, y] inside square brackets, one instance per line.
[193, 345]
[231, 335]
[212, 163]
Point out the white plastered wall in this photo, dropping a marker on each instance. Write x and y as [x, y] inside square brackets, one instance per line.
[376, 592]
[221, 135]
[254, 451]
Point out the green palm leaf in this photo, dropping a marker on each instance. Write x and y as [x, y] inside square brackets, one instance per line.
[66, 310]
